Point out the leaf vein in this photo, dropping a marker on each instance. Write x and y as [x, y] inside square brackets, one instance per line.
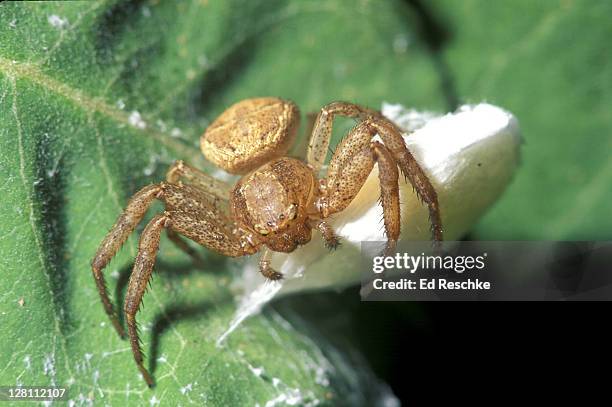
[90, 104]
[32, 221]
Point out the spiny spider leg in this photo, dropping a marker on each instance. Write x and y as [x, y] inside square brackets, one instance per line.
[332, 241]
[116, 237]
[322, 129]
[388, 176]
[210, 185]
[393, 141]
[348, 170]
[264, 266]
[190, 212]
[197, 217]
[143, 267]
[216, 189]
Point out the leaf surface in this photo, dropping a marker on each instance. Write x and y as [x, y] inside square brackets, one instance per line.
[548, 62]
[96, 100]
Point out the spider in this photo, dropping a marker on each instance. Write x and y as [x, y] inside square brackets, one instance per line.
[276, 203]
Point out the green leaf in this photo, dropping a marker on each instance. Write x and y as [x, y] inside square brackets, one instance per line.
[96, 100]
[549, 63]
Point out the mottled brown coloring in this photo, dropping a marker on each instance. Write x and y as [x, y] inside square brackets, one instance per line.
[277, 202]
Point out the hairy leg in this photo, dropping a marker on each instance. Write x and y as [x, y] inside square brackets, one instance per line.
[332, 241]
[190, 213]
[116, 237]
[141, 274]
[350, 167]
[208, 184]
[197, 217]
[265, 269]
[394, 142]
[322, 130]
[217, 190]
[388, 176]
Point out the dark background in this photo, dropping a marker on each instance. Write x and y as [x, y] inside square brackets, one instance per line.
[428, 352]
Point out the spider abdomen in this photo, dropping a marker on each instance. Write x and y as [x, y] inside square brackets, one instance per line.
[251, 133]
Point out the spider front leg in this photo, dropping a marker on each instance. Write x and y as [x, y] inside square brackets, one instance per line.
[348, 170]
[412, 171]
[322, 129]
[393, 142]
[388, 176]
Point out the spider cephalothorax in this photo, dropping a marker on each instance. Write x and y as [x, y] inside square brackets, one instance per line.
[273, 203]
[277, 202]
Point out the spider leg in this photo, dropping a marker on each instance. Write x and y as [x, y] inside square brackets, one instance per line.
[217, 190]
[332, 241]
[189, 212]
[350, 167]
[311, 119]
[201, 219]
[389, 193]
[264, 266]
[180, 171]
[141, 274]
[348, 170]
[394, 142]
[322, 129]
[301, 147]
[116, 237]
